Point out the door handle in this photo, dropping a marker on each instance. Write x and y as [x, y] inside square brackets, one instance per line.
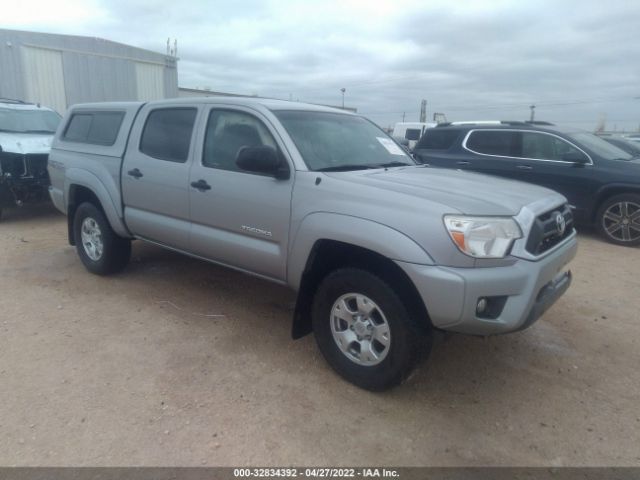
[462, 164]
[201, 185]
[524, 167]
[135, 173]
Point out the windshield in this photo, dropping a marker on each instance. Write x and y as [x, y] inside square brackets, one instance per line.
[335, 141]
[600, 147]
[28, 121]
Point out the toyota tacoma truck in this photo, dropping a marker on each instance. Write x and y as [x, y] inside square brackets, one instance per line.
[26, 131]
[381, 251]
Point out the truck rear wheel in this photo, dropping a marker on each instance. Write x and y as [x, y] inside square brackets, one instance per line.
[364, 330]
[102, 251]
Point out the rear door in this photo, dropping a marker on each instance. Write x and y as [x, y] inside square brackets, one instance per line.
[155, 174]
[492, 152]
[240, 219]
[482, 150]
[438, 148]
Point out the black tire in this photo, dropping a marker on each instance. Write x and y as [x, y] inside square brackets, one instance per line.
[116, 250]
[626, 232]
[407, 344]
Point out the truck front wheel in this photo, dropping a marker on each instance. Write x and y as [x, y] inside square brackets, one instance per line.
[364, 330]
[102, 251]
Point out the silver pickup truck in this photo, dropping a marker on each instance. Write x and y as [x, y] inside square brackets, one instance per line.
[380, 250]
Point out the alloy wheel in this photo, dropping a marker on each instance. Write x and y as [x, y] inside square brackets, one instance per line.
[91, 237]
[360, 329]
[621, 221]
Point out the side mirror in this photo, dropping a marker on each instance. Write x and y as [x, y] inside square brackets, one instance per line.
[575, 157]
[264, 160]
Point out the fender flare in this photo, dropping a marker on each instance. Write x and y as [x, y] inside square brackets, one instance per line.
[86, 179]
[356, 231]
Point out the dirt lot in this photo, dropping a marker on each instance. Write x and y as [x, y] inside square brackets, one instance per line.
[127, 370]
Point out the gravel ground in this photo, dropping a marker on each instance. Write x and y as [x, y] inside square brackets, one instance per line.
[139, 369]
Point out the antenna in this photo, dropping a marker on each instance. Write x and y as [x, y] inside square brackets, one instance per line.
[172, 52]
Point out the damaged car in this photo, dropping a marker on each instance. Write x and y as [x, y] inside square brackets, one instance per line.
[26, 131]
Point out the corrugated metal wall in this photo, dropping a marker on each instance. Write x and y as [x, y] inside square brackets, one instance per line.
[150, 81]
[91, 77]
[44, 77]
[93, 70]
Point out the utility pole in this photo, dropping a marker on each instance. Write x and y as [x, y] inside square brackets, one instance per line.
[423, 111]
[533, 112]
[403, 114]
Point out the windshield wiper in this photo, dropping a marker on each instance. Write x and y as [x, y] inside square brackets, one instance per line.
[37, 131]
[393, 164]
[345, 168]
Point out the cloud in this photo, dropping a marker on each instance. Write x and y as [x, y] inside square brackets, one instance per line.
[470, 59]
[44, 13]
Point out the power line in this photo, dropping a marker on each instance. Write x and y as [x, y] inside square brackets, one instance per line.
[510, 106]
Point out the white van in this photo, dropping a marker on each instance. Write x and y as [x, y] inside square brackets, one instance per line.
[411, 131]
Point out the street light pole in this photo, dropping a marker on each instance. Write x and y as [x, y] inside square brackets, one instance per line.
[343, 90]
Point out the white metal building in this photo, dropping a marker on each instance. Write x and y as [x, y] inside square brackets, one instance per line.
[61, 70]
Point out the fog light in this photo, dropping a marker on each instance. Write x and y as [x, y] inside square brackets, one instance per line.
[481, 306]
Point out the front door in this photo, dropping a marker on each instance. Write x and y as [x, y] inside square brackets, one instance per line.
[238, 218]
[543, 161]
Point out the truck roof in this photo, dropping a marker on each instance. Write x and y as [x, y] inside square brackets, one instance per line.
[271, 104]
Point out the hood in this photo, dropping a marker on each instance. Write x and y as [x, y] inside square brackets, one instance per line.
[25, 142]
[467, 192]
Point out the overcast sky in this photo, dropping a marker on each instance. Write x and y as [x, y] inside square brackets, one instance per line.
[577, 61]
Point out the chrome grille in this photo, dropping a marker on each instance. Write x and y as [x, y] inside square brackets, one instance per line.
[546, 231]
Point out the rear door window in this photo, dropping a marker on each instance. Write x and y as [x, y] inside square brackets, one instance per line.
[494, 142]
[167, 134]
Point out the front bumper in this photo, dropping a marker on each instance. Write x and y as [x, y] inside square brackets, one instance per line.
[526, 290]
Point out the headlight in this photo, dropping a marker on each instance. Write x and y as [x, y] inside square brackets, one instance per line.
[483, 237]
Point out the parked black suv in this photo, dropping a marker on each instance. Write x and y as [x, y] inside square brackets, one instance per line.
[601, 181]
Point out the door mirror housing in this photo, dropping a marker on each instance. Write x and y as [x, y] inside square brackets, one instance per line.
[264, 160]
[575, 157]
